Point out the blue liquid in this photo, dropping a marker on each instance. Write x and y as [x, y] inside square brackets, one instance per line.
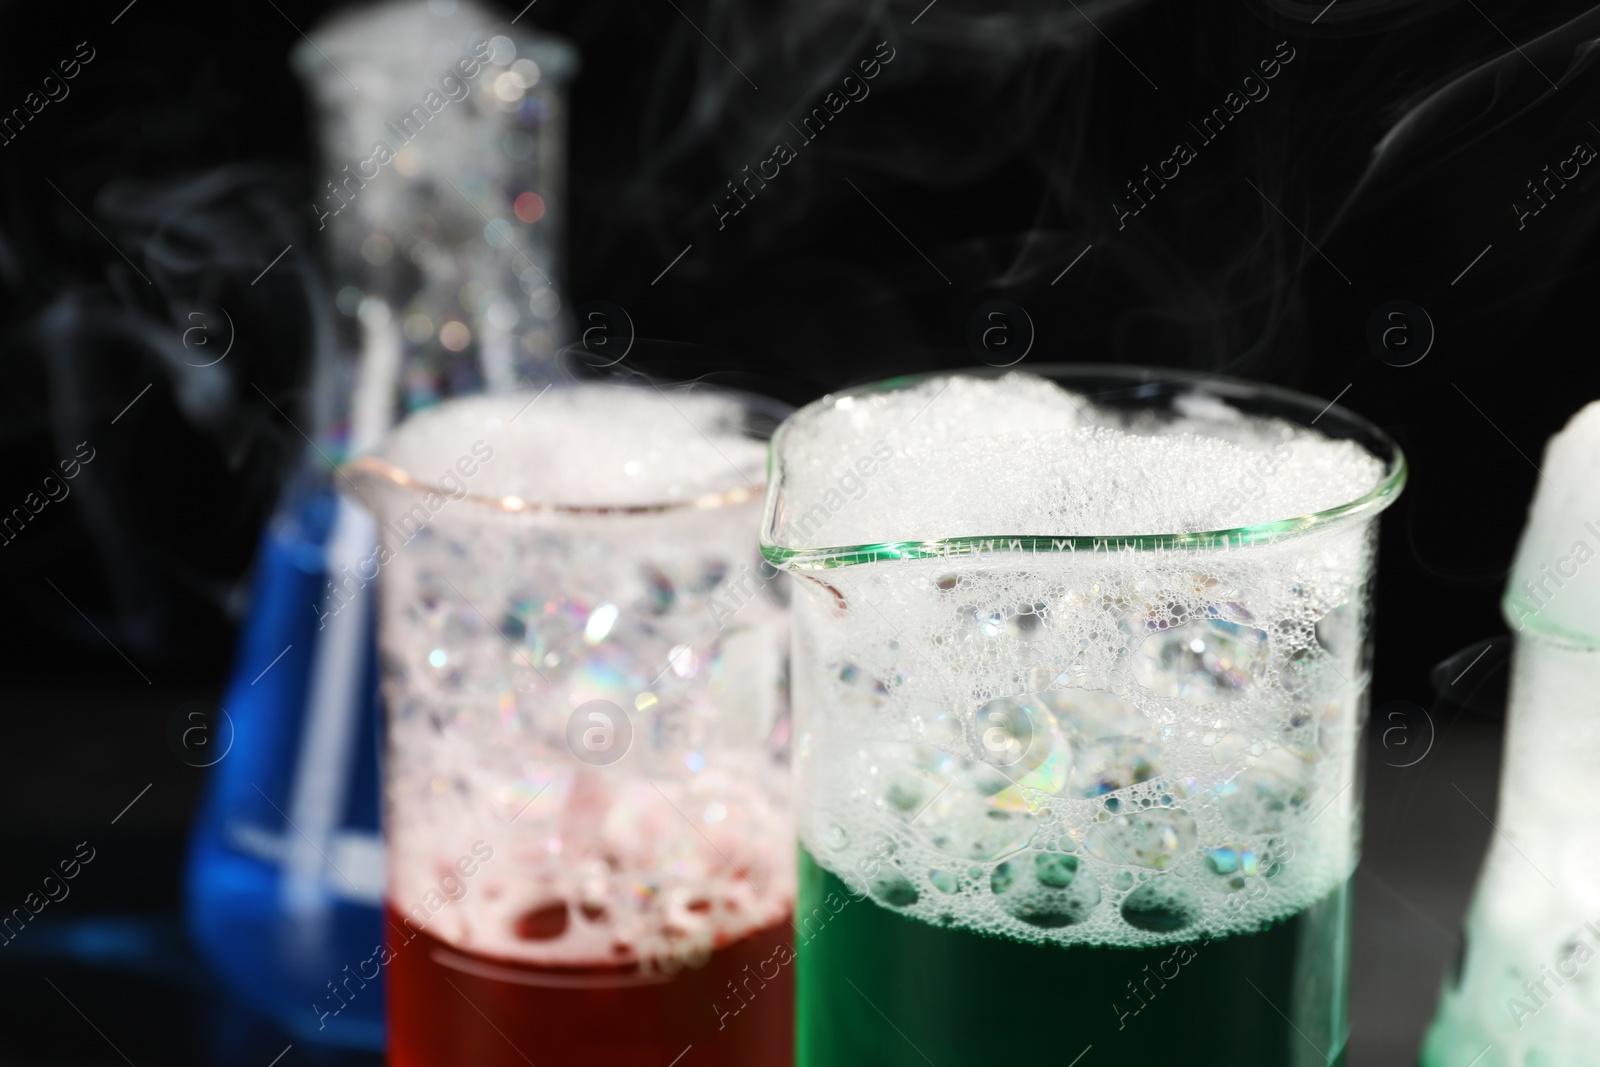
[293, 954]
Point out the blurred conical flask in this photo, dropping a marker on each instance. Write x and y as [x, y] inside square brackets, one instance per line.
[1525, 991]
[440, 203]
[442, 193]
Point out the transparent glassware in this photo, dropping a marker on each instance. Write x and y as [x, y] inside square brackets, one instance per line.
[443, 195]
[586, 798]
[284, 875]
[1110, 781]
[445, 250]
[1521, 991]
[1524, 990]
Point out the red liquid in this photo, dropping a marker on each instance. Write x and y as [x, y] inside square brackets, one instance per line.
[447, 1008]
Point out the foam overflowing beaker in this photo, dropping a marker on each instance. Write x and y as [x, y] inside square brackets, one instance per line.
[1525, 991]
[586, 787]
[1081, 667]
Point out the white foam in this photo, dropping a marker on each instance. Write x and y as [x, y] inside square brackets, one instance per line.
[496, 628]
[1019, 455]
[656, 874]
[1555, 586]
[1535, 916]
[589, 445]
[1077, 747]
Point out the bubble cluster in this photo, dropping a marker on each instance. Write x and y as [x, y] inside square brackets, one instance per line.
[1119, 747]
[561, 685]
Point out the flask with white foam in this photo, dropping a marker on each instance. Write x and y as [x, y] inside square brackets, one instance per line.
[1526, 990]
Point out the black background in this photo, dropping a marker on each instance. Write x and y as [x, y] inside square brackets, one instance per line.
[1388, 155]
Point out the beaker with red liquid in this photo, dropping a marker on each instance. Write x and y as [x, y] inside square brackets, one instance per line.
[590, 852]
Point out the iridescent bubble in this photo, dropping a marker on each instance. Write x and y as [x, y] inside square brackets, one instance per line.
[1113, 763]
[954, 810]
[1299, 671]
[1005, 732]
[1269, 796]
[1202, 661]
[1231, 866]
[1155, 838]
[1020, 735]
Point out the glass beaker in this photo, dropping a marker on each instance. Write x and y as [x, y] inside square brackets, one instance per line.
[1060, 781]
[586, 798]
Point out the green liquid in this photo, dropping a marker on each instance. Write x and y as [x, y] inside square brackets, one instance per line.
[877, 989]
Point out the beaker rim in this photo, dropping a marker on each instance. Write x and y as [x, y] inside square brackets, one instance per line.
[763, 414]
[1105, 382]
